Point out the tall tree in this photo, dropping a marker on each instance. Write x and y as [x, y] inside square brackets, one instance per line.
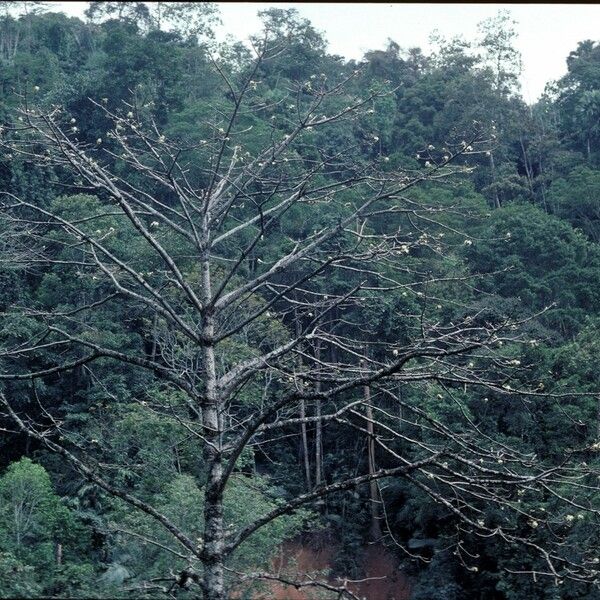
[222, 246]
[498, 38]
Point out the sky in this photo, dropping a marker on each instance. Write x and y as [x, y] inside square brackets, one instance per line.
[547, 32]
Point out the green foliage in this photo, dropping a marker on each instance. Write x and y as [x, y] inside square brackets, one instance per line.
[35, 525]
[182, 501]
[535, 251]
[32, 516]
[576, 198]
[17, 580]
[541, 261]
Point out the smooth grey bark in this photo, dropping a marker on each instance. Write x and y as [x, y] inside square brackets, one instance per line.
[305, 455]
[375, 532]
[305, 445]
[318, 426]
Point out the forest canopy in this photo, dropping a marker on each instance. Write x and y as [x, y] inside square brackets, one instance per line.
[258, 297]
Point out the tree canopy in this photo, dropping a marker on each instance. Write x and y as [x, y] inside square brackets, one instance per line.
[254, 294]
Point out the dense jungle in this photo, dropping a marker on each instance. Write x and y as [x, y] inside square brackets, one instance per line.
[278, 324]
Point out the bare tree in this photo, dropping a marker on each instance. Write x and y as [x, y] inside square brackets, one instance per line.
[203, 212]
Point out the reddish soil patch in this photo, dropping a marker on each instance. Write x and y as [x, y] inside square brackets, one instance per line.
[388, 582]
[300, 560]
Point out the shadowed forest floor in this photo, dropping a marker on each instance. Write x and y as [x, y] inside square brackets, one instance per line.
[299, 559]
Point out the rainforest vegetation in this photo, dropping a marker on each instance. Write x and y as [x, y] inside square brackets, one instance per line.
[253, 294]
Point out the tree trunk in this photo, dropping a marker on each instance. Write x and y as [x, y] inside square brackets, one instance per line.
[493, 168]
[319, 428]
[213, 580]
[214, 587]
[528, 167]
[375, 499]
[318, 445]
[542, 185]
[305, 446]
[589, 149]
[214, 584]
[305, 454]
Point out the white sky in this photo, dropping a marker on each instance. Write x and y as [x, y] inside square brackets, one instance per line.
[547, 32]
